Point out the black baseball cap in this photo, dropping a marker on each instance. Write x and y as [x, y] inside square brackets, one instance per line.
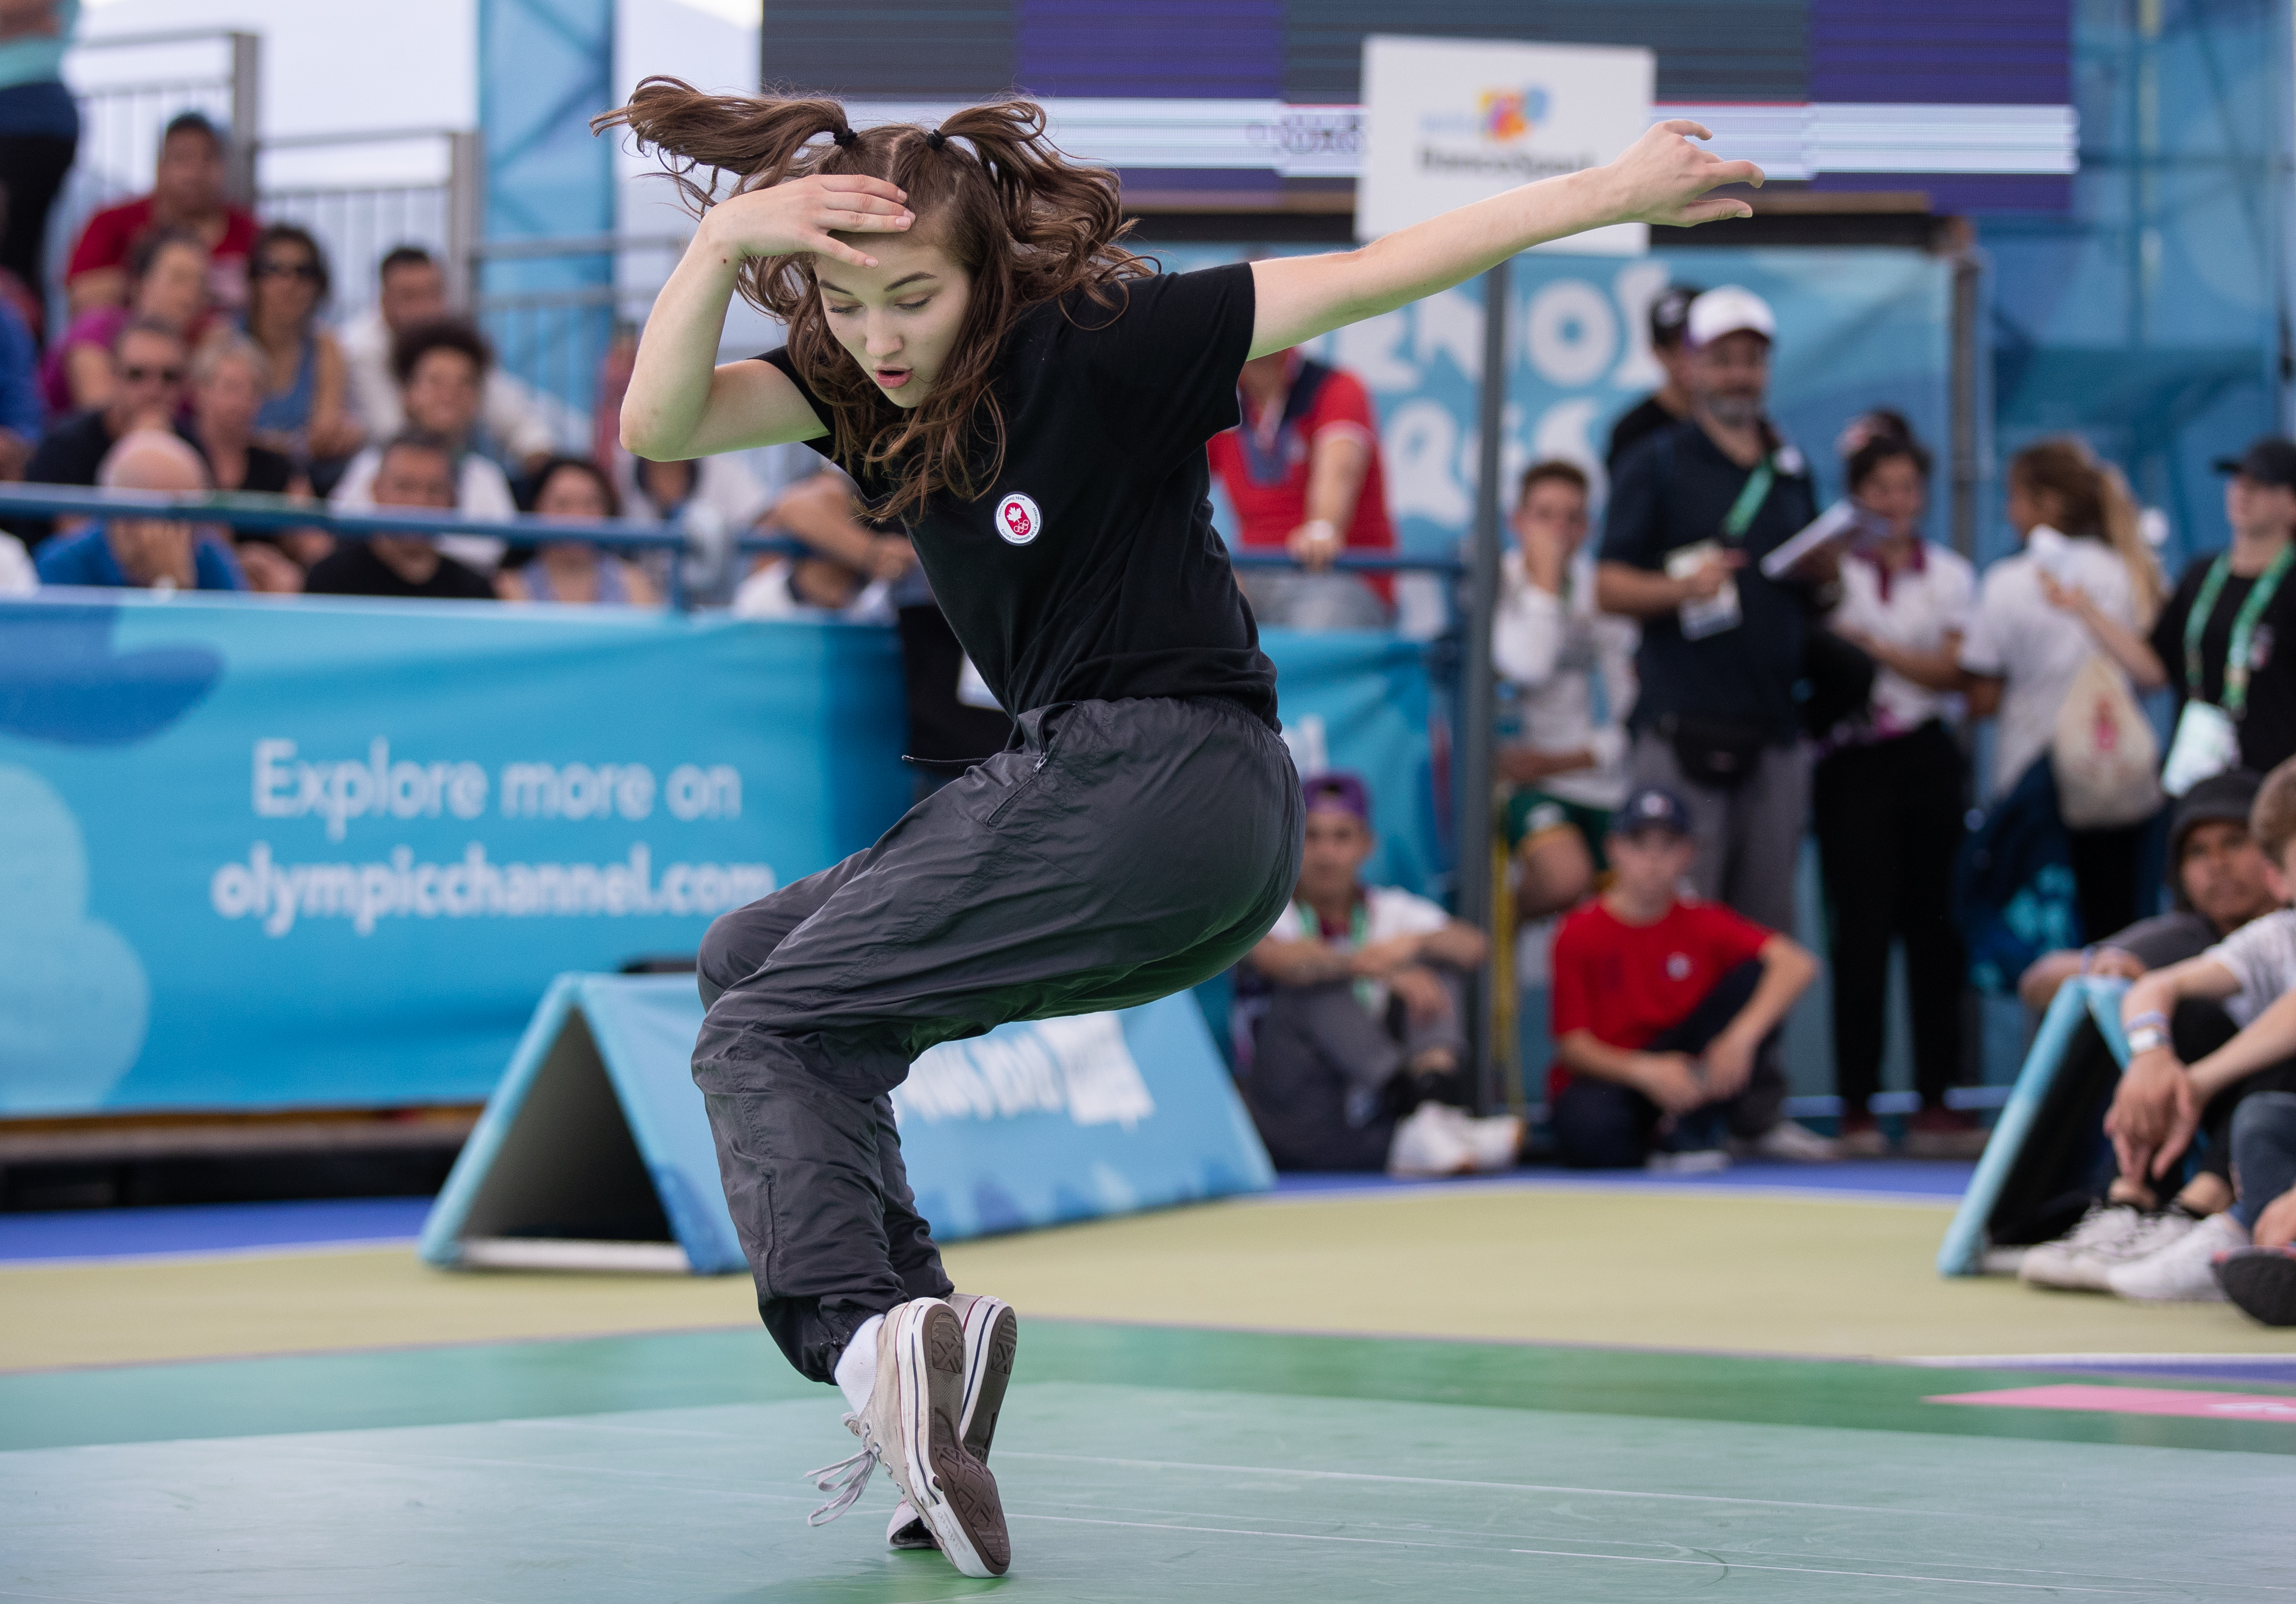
[1650, 808]
[2268, 460]
[1670, 314]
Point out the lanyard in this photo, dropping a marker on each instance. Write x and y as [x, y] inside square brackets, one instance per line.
[1358, 927]
[2243, 626]
[1749, 503]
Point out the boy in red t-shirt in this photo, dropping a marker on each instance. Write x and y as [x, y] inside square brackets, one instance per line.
[1666, 1013]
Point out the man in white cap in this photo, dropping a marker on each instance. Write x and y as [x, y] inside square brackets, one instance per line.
[1694, 508]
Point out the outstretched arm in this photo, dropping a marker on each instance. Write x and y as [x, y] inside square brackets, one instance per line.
[1661, 179]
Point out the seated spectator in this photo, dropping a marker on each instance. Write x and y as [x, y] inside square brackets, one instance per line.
[412, 292]
[167, 284]
[2167, 1097]
[1302, 472]
[305, 412]
[1569, 769]
[228, 379]
[570, 570]
[187, 192]
[1887, 799]
[18, 577]
[149, 359]
[20, 394]
[1359, 1031]
[2261, 1278]
[152, 553]
[441, 369]
[410, 471]
[851, 570]
[1666, 1011]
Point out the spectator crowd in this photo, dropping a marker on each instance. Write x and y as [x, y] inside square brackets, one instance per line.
[1716, 670]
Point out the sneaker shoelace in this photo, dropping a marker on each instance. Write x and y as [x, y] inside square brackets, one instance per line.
[847, 1479]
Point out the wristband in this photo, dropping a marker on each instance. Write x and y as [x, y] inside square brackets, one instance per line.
[2146, 1038]
[2151, 1016]
[1320, 528]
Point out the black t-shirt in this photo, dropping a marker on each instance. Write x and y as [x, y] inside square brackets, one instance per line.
[2268, 729]
[1644, 420]
[353, 570]
[2166, 938]
[1673, 490]
[1089, 569]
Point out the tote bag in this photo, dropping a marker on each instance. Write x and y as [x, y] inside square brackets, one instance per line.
[2106, 758]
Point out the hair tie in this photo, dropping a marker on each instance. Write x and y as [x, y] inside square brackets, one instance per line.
[845, 139]
[935, 139]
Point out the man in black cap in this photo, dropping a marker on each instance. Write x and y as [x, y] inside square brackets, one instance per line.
[1669, 315]
[2218, 643]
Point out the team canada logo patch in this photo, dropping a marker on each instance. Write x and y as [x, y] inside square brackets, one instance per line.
[1018, 519]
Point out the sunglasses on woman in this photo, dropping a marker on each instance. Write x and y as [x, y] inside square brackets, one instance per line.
[135, 374]
[307, 271]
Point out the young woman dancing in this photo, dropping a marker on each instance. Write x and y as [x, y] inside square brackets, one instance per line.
[969, 339]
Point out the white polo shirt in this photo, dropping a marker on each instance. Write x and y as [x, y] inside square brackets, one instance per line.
[1913, 609]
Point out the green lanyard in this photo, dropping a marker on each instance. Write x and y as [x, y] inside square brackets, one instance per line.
[1358, 927]
[1749, 502]
[2243, 626]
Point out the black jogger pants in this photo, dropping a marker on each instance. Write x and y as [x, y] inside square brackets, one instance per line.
[1128, 850]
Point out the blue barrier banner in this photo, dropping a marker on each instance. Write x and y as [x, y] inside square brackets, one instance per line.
[1031, 1125]
[331, 853]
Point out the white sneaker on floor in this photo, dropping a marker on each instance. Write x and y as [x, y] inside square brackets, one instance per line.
[1795, 1144]
[992, 1337]
[910, 1427]
[1697, 1161]
[1495, 1140]
[2110, 1234]
[1433, 1141]
[2184, 1270]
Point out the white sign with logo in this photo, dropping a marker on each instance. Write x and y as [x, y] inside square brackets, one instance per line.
[1452, 121]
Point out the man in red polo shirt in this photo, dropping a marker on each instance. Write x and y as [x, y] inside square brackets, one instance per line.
[1666, 1013]
[1302, 472]
[187, 192]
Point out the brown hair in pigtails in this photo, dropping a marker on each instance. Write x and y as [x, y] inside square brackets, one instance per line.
[1026, 224]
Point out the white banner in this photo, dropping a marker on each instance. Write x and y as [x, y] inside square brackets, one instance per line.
[1448, 122]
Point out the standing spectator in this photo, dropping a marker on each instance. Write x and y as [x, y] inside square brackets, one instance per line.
[2215, 642]
[1670, 402]
[1302, 472]
[410, 471]
[167, 284]
[2027, 642]
[574, 570]
[1695, 507]
[1666, 1011]
[1888, 802]
[304, 412]
[20, 395]
[187, 192]
[162, 553]
[412, 293]
[442, 371]
[1358, 1023]
[39, 128]
[229, 377]
[1574, 670]
[149, 360]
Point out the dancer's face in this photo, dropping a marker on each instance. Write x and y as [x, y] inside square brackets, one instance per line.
[901, 318]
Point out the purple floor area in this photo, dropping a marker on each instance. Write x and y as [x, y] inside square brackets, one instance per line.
[1867, 1177]
[207, 1228]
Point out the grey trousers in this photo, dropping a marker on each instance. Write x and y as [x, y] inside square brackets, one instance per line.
[1750, 838]
[1128, 850]
[1320, 1067]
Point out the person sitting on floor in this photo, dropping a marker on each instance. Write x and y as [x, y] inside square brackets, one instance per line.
[1666, 1012]
[145, 553]
[2163, 1101]
[1359, 1035]
[2261, 1278]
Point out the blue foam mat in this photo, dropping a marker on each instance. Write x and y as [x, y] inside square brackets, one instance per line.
[1915, 1178]
[208, 1228]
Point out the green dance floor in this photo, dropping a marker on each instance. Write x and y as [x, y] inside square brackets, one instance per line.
[1137, 1463]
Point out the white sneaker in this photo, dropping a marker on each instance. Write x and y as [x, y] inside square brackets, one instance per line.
[2184, 1270]
[992, 1336]
[910, 1427]
[1697, 1161]
[1496, 1141]
[2109, 1234]
[1430, 1142]
[1795, 1144]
